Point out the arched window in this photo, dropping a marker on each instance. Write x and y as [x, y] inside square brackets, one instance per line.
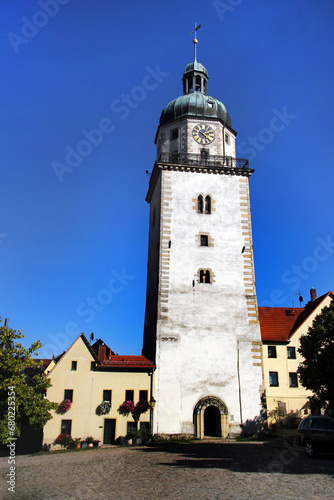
[198, 83]
[204, 276]
[200, 204]
[208, 204]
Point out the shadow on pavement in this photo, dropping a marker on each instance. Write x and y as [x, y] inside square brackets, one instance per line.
[286, 457]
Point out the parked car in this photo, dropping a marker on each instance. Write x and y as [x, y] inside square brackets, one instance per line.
[317, 434]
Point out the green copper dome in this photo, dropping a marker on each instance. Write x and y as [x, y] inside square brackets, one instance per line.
[195, 104]
[196, 66]
[195, 101]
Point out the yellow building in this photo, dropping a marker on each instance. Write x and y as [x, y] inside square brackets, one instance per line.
[88, 375]
[281, 329]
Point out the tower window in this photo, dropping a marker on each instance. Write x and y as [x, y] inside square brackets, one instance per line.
[200, 204]
[204, 240]
[204, 154]
[205, 276]
[198, 83]
[208, 204]
[210, 104]
[174, 134]
[227, 139]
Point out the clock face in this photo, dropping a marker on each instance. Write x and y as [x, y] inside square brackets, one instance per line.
[203, 134]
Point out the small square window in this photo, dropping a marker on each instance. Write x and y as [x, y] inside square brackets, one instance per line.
[68, 394]
[291, 353]
[74, 366]
[107, 395]
[204, 240]
[293, 379]
[273, 379]
[272, 351]
[227, 139]
[143, 395]
[129, 395]
[210, 104]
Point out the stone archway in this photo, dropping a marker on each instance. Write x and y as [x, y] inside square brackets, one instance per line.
[211, 418]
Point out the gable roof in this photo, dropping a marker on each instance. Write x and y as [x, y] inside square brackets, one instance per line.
[113, 361]
[278, 324]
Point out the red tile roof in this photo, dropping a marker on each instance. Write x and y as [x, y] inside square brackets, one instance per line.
[128, 362]
[276, 323]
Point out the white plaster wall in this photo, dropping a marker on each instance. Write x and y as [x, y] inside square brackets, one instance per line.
[197, 347]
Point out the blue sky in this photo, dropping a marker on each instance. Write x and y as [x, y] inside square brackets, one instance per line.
[73, 226]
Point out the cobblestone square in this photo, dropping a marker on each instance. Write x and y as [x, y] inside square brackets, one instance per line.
[200, 470]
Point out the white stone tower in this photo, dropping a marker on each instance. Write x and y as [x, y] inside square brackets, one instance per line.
[201, 320]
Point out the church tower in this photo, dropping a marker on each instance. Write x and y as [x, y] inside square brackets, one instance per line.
[201, 320]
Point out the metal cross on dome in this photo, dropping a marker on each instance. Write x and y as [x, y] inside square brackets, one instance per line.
[195, 41]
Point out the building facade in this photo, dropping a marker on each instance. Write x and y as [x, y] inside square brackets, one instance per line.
[87, 376]
[281, 329]
[201, 321]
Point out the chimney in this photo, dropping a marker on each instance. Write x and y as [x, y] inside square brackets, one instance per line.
[313, 293]
[102, 352]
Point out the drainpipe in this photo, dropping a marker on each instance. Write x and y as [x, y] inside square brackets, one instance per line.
[224, 140]
[152, 400]
[239, 386]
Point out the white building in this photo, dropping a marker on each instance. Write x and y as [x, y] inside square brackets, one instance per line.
[201, 322]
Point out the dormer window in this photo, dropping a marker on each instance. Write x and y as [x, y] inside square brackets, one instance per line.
[210, 104]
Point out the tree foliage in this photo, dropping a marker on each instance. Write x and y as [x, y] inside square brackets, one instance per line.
[316, 372]
[20, 394]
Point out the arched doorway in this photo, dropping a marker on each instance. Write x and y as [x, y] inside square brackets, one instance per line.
[211, 418]
[212, 423]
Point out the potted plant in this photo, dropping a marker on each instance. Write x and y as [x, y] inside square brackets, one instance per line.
[63, 407]
[96, 443]
[89, 441]
[64, 440]
[129, 438]
[103, 408]
[76, 443]
[126, 408]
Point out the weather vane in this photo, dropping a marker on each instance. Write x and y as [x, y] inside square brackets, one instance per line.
[195, 41]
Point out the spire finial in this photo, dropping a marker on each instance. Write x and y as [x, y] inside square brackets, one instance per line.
[195, 41]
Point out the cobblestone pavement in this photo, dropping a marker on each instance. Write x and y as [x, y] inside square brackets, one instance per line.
[200, 470]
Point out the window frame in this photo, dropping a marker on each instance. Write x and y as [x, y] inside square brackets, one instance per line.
[293, 384]
[141, 394]
[68, 394]
[274, 353]
[104, 395]
[63, 426]
[133, 395]
[273, 374]
[291, 349]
